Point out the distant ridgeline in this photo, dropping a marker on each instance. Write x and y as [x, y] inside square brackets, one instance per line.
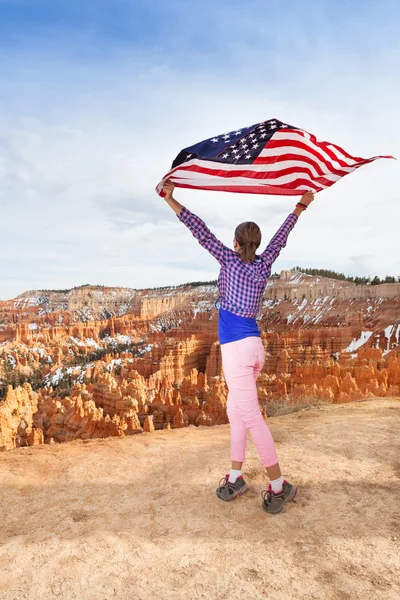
[75, 287]
[316, 272]
[105, 287]
[359, 280]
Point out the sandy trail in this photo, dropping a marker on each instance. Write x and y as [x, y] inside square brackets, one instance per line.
[137, 517]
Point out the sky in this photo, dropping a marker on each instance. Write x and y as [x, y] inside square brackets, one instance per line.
[97, 98]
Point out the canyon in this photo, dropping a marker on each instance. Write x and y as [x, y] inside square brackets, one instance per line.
[95, 362]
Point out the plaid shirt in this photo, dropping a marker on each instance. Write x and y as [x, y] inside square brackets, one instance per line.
[241, 285]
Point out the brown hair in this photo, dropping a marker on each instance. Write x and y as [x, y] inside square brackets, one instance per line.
[248, 236]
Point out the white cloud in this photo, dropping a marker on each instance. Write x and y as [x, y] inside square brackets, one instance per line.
[82, 148]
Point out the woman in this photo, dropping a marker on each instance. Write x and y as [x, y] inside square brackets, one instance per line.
[241, 284]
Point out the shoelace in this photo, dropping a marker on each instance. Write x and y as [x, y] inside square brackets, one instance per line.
[224, 482]
[266, 496]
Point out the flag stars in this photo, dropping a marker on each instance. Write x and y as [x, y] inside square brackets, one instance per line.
[246, 147]
[214, 140]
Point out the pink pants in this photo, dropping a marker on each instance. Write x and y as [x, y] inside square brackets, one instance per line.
[242, 362]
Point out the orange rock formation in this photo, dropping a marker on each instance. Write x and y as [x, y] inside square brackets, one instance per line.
[171, 374]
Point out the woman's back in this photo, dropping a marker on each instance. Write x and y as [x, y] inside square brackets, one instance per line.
[241, 284]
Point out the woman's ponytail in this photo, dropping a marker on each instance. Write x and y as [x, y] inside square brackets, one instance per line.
[247, 252]
[248, 236]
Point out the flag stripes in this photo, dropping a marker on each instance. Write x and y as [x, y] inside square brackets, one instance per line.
[270, 158]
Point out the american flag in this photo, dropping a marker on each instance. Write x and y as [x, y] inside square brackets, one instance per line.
[267, 158]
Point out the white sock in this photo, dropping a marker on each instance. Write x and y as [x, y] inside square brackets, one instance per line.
[277, 484]
[233, 475]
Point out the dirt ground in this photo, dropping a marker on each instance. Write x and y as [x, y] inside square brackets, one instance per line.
[137, 517]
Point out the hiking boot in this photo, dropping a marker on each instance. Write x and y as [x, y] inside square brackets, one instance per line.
[229, 491]
[273, 502]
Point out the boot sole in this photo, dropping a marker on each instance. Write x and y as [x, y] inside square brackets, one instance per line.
[291, 498]
[235, 495]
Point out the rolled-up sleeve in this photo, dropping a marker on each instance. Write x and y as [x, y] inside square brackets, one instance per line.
[204, 236]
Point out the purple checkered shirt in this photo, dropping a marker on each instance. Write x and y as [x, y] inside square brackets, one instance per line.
[241, 285]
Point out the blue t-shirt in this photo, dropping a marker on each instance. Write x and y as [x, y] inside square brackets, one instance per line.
[232, 328]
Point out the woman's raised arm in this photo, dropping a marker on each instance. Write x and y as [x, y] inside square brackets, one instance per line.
[279, 240]
[168, 189]
[197, 227]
